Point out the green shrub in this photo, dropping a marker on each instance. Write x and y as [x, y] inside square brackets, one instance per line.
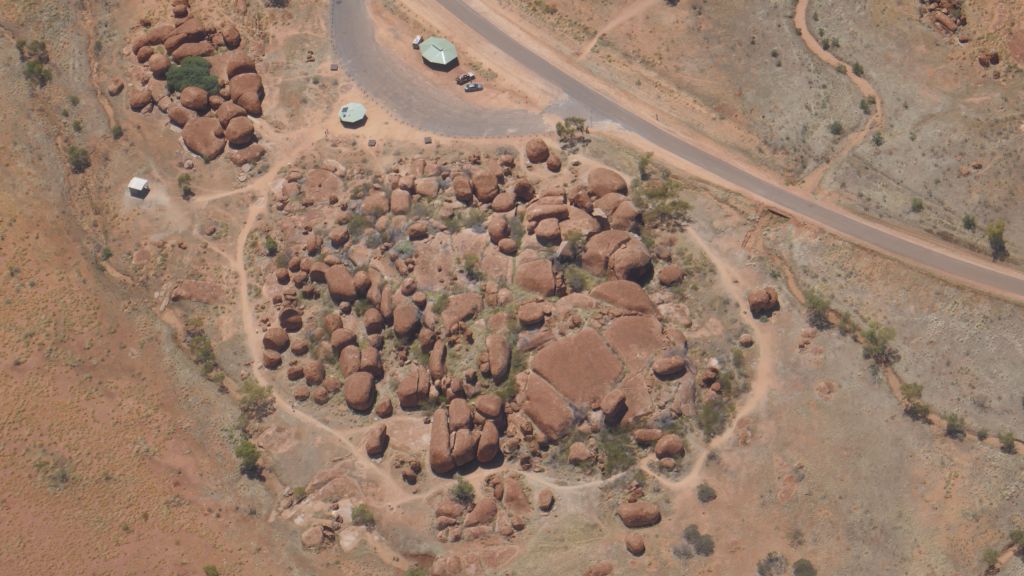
[917, 410]
[836, 128]
[877, 139]
[257, 401]
[969, 223]
[577, 279]
[417, 571]
[803, 567]
[713, 417]
[982, 435]
[1017, 537]
[618, 451]
[996, 241]
[705, 493]
[661, 205]
[440, 304]
[362, 516]
[193, 71]
[471, 264]
[911, 391]
[858, 69]
[106, 253]
[37, 73]
[270, 245]
[117, 132]
[643, 165]
[357, 225]
[1007, 443]
[78, 158]
[211, 571]
[76, 125]
[955, 426]
[463, 491]
[990, 557]
[877, 344]
[248, 458]
[817, 309]
[916, 205]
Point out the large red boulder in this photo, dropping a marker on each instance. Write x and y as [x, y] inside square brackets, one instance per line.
[240, 132]
[537, 151]
[205, 137]
[239, 63]
[441, 460]
[195, 98]
[359, 391]
[603, 181]
[639, 514]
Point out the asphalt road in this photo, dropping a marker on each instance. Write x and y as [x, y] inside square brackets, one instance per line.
[388, 78]
[362, 58]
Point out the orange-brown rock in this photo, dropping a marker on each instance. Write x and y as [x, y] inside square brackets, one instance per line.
[359, 391]
[638, 514]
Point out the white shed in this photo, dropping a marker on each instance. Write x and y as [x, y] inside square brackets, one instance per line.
[138, 187]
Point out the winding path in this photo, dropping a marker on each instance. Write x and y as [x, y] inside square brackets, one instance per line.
[362, 57]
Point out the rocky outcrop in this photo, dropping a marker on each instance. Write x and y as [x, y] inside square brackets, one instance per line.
[763, 301]
[359, 391]
[537, 151]
[603, 181]
[441, 460]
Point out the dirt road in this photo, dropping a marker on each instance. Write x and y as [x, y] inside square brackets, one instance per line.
[363, 59]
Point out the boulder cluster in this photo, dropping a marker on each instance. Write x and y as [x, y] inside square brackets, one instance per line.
[212, 121]
[504, 509]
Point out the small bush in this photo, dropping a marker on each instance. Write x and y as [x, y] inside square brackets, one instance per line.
[193, 71]
[362, 516]
[877, 344]
[877, 139]
[713, 417]
[417, 571]
[990, 557]
[257, 402]
[440, 304]
[471, 264]
[703, 544]
[774, 564]
[76, 125]
[1007, 443]
[270, 245]
[117, 132]
[916, 205]
[576, 278]
[211, 571]
[357, 225]
[78, 158]
[803, 567]
[858, 69]
[248, 458]
[836, 128]
[185, 185]
[911, 391]
[1017, 537]
[106, 253]
[917, 410]
[617, 448]
[463, 491]
[996, 241]
[955, 426]
[705, 493]
[841, 68]
[37, 73]
[969, 223]
[982, 435]
[817, 309]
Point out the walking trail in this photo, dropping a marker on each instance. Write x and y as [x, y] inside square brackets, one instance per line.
[633, 10]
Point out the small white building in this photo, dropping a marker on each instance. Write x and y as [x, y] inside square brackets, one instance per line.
[138, 187]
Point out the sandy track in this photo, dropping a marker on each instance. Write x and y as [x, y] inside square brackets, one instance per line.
[632, 11]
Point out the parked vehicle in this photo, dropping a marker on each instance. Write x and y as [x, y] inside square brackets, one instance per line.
[463, 78]
[473, 87]
[417, 41]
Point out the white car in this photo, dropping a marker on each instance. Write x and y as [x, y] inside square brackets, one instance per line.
[417, 41]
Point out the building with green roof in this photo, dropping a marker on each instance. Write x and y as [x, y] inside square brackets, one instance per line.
[352, 114]
[438, 52]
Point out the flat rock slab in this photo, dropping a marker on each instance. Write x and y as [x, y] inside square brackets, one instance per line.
[581, 367]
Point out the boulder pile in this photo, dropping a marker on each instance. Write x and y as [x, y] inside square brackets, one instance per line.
[211, 121]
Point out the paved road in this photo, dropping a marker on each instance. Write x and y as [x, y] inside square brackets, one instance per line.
[389, 79]
[965, 269]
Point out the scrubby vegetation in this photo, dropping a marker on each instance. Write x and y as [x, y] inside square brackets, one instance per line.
[193, 71]
[572, 133]
[363, 516]
[463, 492]
[705, 493]
[78, 158]
[248, 458]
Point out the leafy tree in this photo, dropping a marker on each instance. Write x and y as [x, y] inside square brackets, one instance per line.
[877, 139]
[836, 128]
[969, 223]
[193, 71]
[803, 567]
[661, 205]
[463, 491]
[877, 344]
[117, 132]
[916, 205]
[858, 69]
[270, 245]
[248, 458]
[572, 132]
[79, 160]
